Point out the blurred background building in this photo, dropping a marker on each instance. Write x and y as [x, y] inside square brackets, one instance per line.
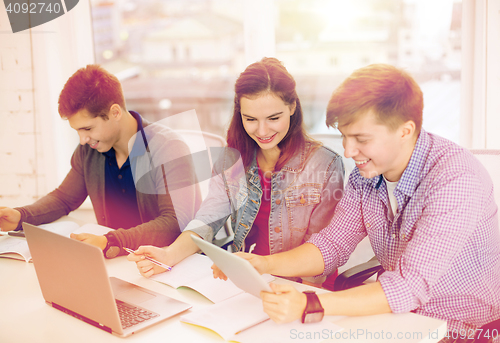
[177, 55]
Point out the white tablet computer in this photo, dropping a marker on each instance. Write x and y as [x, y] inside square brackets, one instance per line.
[238, 270]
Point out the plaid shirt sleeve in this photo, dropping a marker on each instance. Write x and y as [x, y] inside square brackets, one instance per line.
[451, 211]
[339, 239]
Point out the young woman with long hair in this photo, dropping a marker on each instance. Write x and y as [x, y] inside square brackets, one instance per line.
[278, 185]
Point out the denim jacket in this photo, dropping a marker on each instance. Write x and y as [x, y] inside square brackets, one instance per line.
[304, 194]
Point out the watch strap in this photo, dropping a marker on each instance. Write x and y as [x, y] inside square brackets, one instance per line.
[313, 305]
[112, 248]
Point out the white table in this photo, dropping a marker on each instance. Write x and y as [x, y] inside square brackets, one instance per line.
[25, 317]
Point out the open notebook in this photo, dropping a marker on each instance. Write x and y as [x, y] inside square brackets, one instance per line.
[195, 272]
[17, 247]
[241, 318]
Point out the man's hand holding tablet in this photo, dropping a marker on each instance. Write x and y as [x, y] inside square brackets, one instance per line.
[237, 268]
[257, 261]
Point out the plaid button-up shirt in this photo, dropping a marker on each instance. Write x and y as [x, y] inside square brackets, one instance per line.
[441, 250]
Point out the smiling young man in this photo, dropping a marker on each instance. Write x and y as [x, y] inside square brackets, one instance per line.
[425, 203]
[124, 163]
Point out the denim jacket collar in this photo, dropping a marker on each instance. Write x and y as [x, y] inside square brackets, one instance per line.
[294, 165]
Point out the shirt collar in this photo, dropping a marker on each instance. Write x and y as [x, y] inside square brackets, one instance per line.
[295, 165]
[111, 152]
[138, 118]
[411, 176]
[140, 146]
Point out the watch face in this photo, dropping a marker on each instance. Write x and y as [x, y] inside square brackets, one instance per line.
[112, 251]
[313, 317]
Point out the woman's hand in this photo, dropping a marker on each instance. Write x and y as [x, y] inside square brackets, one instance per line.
[147, 268]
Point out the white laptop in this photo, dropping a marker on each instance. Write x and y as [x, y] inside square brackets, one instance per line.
[237, 269]
[73, 279]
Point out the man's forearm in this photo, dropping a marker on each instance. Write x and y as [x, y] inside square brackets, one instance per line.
[364, 300]
[304, 260]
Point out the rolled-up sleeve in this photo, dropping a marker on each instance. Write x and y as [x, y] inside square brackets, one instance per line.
[451, 210]
[338, 240]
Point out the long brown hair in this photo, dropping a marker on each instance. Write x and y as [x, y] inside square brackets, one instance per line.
[267, 75]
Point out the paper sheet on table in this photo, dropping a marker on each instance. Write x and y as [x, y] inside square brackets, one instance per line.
[289, 332]
[230, 316]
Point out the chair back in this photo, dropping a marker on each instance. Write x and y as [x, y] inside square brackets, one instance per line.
[334, 142]
[199, 141]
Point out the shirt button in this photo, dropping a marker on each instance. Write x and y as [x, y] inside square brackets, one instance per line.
[278, 202]
[277, 229]
[403, 236]
[393, 235]
[120, 176]
[368, 224]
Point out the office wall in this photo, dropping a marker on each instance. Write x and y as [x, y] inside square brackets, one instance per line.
[480, 105]
[35, 143]
[19, 161]
[493, 75]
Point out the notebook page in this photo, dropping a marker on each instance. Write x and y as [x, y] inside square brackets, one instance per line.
[94, 229]
[14, 247]
[230, 316]
[192, 268]
[216, 290]
[290, 332]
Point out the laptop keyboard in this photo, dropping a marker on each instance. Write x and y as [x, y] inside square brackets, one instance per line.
[131, 315]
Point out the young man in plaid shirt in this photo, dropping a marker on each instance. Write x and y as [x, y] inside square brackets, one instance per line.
[425, 203]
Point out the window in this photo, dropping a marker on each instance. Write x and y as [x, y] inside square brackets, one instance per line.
[187, 53]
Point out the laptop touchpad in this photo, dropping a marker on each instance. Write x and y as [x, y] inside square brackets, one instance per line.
[135, 296]
[125, 291]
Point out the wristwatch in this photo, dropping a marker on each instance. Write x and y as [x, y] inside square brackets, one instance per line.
[313, 312]
[112, 248]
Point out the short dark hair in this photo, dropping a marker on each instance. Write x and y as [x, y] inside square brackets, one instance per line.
[392, 93]
[91, 88]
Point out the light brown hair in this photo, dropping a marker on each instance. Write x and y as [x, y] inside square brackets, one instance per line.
[392, 93]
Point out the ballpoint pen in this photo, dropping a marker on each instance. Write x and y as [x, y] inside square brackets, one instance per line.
[16, 233]
[252, 247]
[152, 260]
[12, 233]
